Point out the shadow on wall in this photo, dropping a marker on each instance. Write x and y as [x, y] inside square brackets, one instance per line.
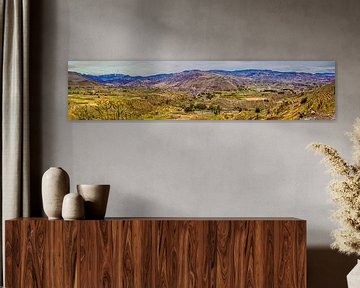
[328, 268]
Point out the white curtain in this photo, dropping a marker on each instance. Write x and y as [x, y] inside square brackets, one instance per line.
[14, 25]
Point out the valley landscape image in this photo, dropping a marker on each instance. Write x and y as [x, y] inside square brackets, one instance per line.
[201, 90]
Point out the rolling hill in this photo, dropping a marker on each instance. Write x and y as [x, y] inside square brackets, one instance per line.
[312, 105]
[196, 81]
[77, 79]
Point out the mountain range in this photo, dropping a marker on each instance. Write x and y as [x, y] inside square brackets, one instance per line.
[211, 80]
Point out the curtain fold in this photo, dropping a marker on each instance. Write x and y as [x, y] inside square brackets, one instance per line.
[15, 172]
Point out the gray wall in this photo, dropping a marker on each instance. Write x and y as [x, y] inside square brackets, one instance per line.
[195, 168]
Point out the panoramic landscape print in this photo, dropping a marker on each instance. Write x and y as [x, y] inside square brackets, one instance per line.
[201, 90]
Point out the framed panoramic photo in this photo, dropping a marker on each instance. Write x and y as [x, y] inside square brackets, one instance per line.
[201, 90]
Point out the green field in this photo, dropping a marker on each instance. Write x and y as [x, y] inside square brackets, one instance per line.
[114, 103]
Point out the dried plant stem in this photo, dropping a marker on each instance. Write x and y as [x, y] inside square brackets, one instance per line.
[345, 192]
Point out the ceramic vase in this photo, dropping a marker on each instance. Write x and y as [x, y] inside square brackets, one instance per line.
[353, 278]
[73, 207]
[55, 185]
[96, 198]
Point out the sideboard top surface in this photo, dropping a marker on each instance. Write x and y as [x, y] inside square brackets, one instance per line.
[174, 219]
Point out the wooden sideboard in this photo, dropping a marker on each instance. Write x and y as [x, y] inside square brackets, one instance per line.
[156, 252]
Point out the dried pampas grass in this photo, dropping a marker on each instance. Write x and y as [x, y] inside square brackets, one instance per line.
[345, 191]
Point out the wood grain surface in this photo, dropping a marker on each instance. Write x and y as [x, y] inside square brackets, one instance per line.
[160, 252]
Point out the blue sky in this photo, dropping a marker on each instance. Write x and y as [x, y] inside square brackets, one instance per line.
[144, 68]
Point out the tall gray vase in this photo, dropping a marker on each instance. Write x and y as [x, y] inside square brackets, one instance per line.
[55, 185]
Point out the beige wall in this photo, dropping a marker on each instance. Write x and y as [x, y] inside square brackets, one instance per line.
[195, 168]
